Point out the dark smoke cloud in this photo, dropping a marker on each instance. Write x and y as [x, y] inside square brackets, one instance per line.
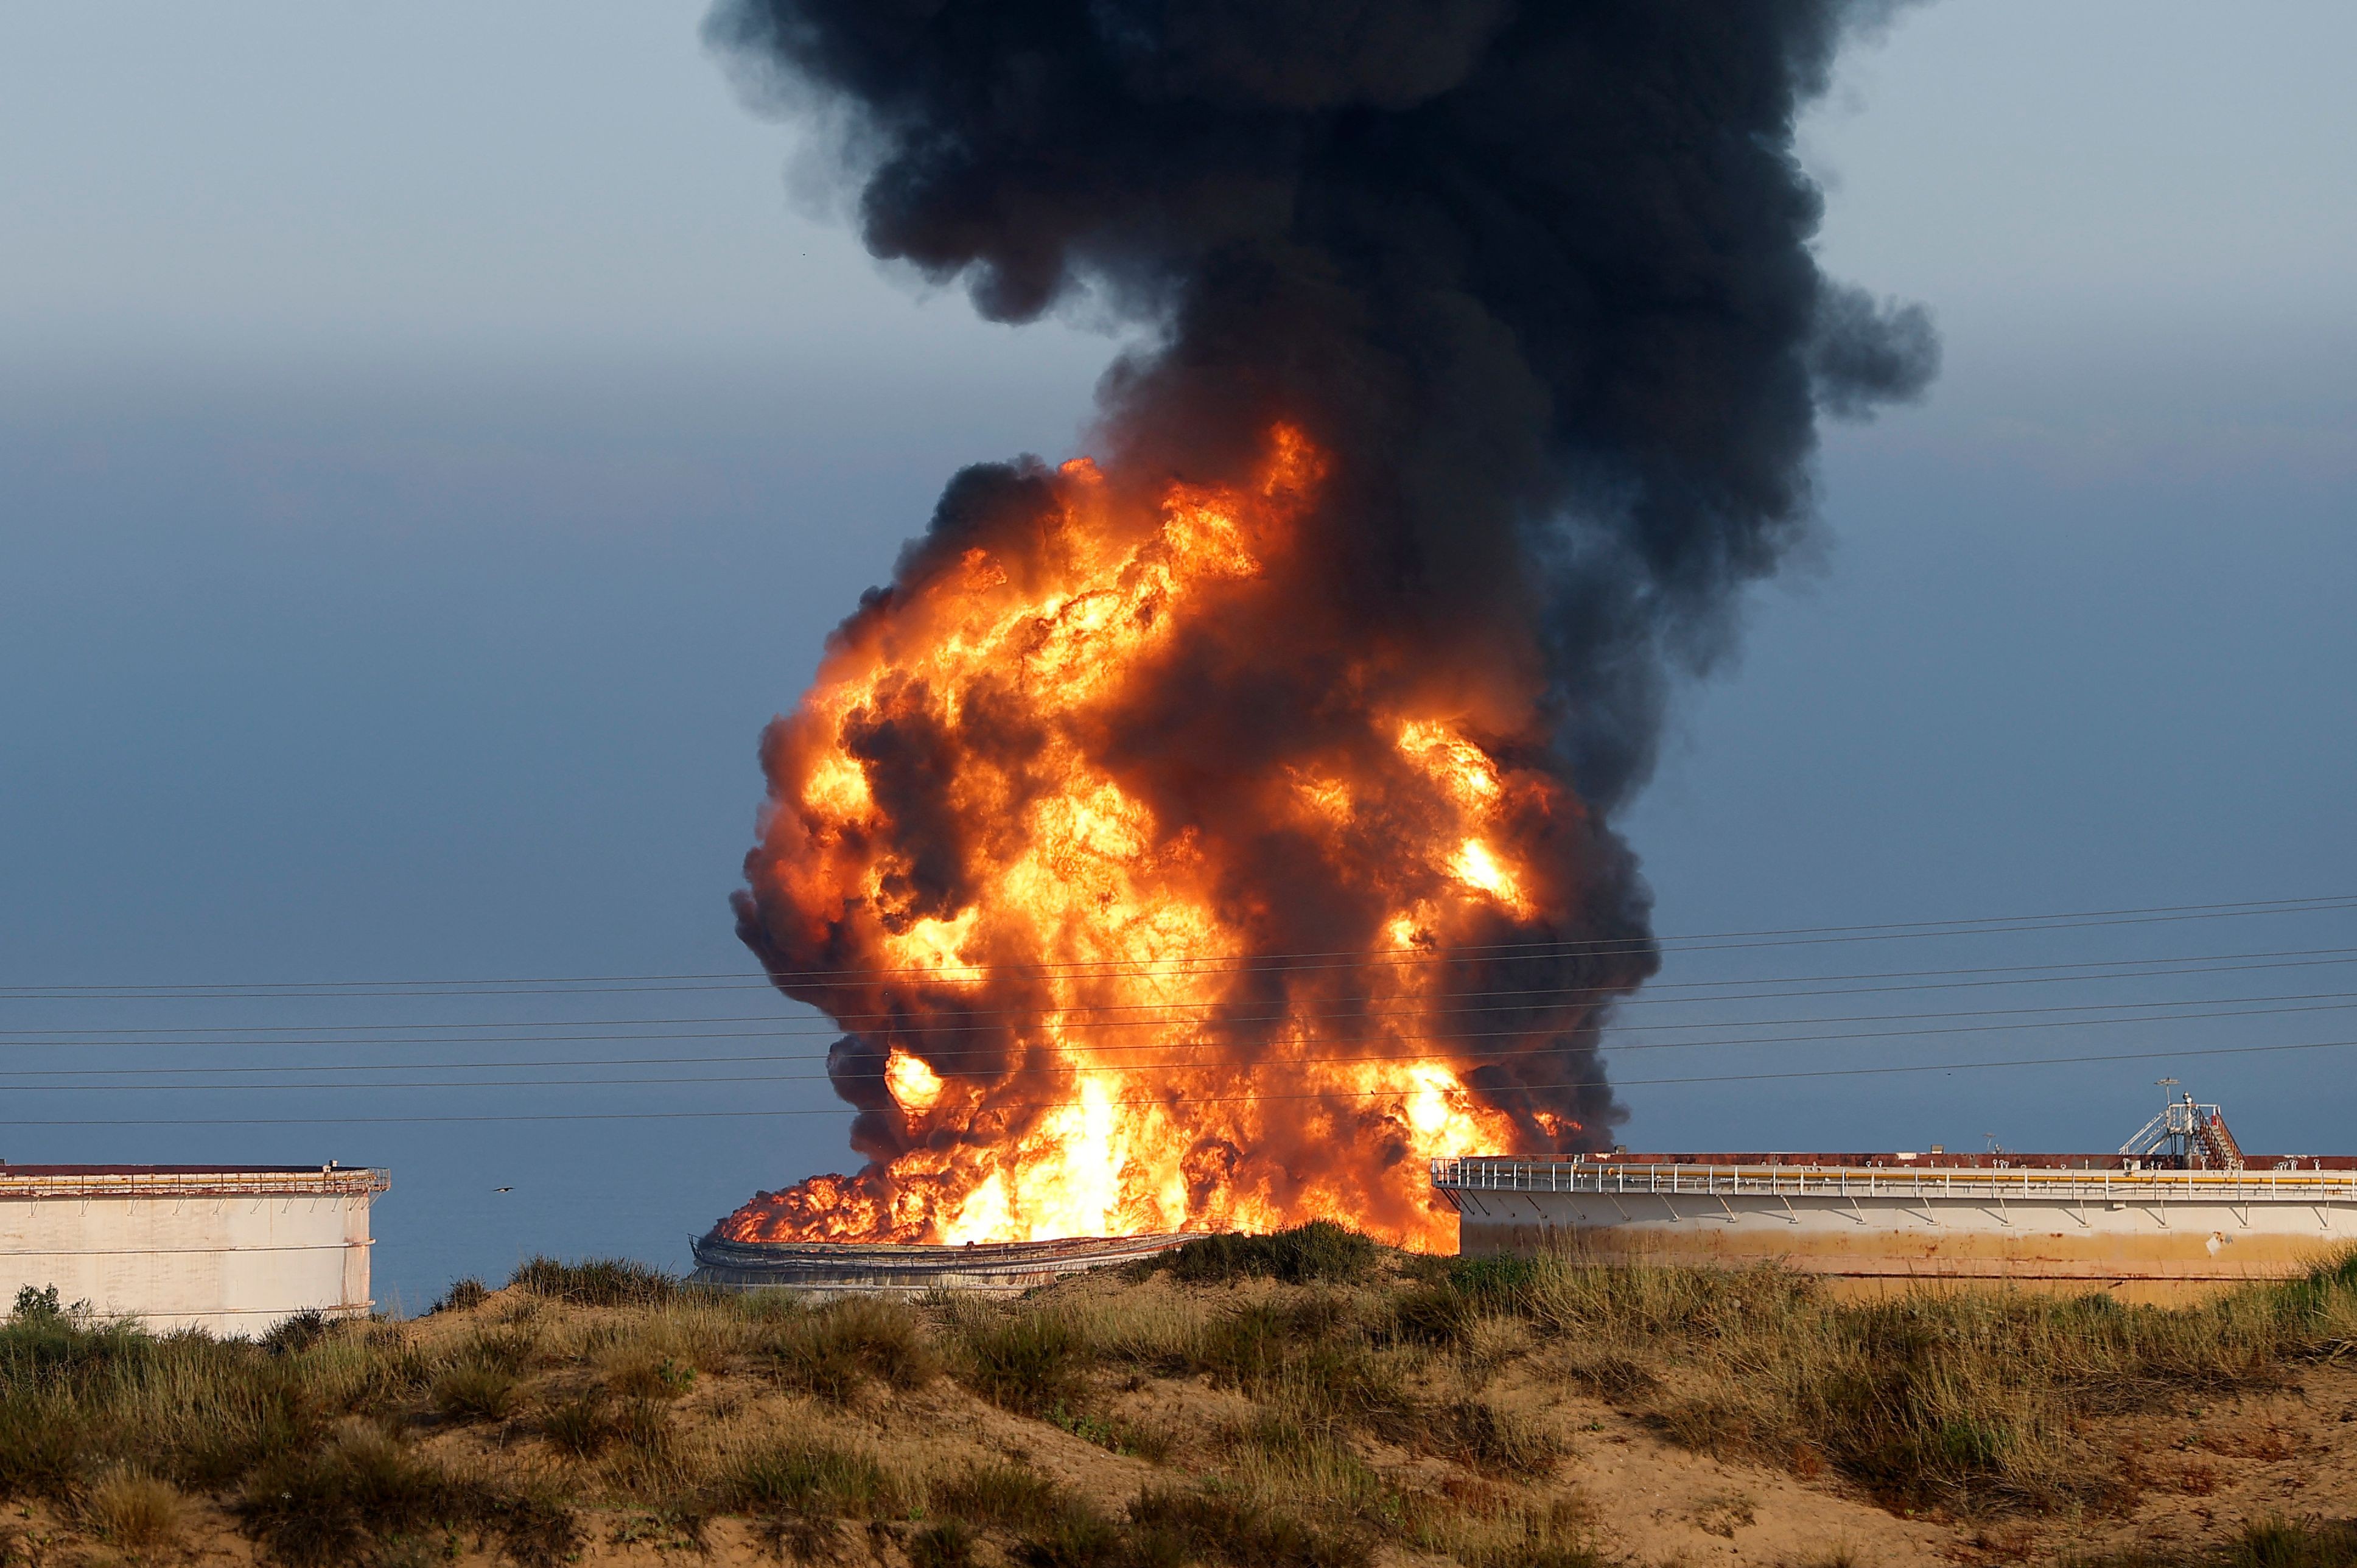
[1549, 262]
[1537, 274]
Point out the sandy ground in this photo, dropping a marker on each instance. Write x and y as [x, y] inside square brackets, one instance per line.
[2197, 1474]
[2197, 1478]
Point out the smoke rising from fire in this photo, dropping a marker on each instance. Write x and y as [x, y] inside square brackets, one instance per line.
[1483, 352]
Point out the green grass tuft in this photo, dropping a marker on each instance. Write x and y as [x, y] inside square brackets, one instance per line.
[1500, 1442]
[2264, 1543]
[1080, 1540]
[1205, 1525]
[1028, 1361]
[596, 1282]
[297, 1332]
[1111, 1433]
[363, 1495]
[837, 1349]
[812, 1478]
[473, 1391]
[580, 1427]
[1003, 1497]
[949, 1545]
[1319, 1252]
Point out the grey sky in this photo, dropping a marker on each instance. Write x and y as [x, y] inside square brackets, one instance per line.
[432, 444]
[276, 178]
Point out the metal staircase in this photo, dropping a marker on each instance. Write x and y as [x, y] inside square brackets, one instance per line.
[2186, 1136]
[2224, 1153]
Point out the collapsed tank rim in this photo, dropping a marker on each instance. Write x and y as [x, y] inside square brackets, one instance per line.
[712, 1249]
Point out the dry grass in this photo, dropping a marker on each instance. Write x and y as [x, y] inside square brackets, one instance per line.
[138, 1513]
[2264, 1543]
[803, 1490]
[1293, 1411]
[475, 1392]
[1512, 1532]
[1279, 1463]
[1211, 1525]
[1027, 1360]
[837, 1349]
[1041, 1522]
[598, 1282]
[1494, 1440]
[581, 1426]
[1964, 1398]
[362, 1495]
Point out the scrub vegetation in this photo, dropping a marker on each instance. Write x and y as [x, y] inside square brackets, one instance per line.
[1304, 1401]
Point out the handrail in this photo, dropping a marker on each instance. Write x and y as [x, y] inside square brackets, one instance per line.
[1505, 1174]
[195, 1183]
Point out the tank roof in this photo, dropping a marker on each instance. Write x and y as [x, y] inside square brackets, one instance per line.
[840, 1267]
[6, 1168]
[126, 1180]
[1918, 1159]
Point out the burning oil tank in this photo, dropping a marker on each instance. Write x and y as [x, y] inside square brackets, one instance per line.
[232, 1249]
[850, 1268]
[2176, 1210]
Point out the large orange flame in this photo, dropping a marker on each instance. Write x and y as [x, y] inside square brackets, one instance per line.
[1069, 1003]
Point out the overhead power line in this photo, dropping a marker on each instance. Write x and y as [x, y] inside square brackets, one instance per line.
[622, 1031]
[2029, 974]
[1472, 1057]
[1241, 1099]
[1241, 963]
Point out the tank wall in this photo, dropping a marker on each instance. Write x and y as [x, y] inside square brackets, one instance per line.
[2154, 1250]
[835, 1268]
[232, 1264]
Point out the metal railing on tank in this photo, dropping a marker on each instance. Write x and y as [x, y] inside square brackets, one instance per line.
[1608, 1177]
[304, 1181]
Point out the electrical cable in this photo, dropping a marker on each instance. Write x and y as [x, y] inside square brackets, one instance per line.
[919, 1034]
[1996, 925]
[1246, 1099]
[312, 1033]
[1132, 1069]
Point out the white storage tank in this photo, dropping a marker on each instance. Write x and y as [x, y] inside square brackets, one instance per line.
[232, 1249]
[2178, 1210]
[2067, 1222]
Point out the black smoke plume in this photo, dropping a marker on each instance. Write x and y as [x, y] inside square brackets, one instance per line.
[1538, 275]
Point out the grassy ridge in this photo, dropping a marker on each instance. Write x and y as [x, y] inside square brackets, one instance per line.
[1370, 1401]
[1958, 1397]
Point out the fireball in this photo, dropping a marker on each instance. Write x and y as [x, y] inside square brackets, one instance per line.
[1146, 904]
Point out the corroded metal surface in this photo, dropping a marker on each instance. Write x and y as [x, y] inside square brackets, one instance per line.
[1903, 1176]
[838, 1268]
[2139, 1233]
[1900, 1160]
[184, 1181]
